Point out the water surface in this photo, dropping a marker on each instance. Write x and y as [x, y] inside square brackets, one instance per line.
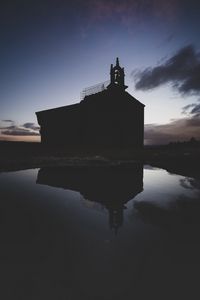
[107, 234]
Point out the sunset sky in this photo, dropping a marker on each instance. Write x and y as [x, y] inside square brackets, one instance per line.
[50, 50]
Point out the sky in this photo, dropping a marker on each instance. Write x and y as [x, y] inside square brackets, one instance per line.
[50, 50]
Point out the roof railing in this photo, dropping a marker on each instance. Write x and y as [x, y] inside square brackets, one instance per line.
[94, 89]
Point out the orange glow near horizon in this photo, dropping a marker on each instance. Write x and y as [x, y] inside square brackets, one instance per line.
[17, 138]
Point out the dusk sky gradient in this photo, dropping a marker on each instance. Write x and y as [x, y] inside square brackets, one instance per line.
[51, 50]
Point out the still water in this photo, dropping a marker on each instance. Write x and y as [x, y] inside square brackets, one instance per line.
[132, 233]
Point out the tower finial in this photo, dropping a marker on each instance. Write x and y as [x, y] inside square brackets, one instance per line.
[117, 62]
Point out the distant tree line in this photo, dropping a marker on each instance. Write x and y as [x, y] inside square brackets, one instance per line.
[193, 142]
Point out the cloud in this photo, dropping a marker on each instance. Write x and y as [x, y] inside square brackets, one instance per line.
[192, 109]
[8, 127]
[182, 70]
[177, 130]
[27, 129]
[196, 109]
[19, 132]
[7, 121]
[31, 126]
[187, 107]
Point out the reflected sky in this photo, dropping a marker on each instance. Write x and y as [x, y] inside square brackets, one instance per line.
[57, 244]
[163, 188]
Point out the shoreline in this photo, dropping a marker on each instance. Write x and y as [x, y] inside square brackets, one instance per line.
[188, 168]
[178, 160]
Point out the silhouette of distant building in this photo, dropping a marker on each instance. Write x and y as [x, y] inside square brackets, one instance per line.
[106, 116]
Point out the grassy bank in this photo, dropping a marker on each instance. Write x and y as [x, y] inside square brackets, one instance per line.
[183, 160]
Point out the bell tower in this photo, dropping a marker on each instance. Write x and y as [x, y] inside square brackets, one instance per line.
[117, 76]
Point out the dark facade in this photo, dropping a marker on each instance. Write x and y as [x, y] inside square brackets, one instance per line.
[111, 117]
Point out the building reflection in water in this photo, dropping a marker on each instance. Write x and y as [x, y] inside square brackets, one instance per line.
[112, 187]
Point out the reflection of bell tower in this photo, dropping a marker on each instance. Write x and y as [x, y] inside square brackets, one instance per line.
[117, 76]
[116, 215]
[110, 186]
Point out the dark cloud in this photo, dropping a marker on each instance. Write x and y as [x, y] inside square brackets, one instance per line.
[20, 132]
[177, 130]
[9, 121]
[186, 108]
[182, 70]
[196, 109]
[192, 109]
[32, 126]
[8, 127]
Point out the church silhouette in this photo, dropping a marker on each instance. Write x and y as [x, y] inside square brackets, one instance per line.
[106, 116]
